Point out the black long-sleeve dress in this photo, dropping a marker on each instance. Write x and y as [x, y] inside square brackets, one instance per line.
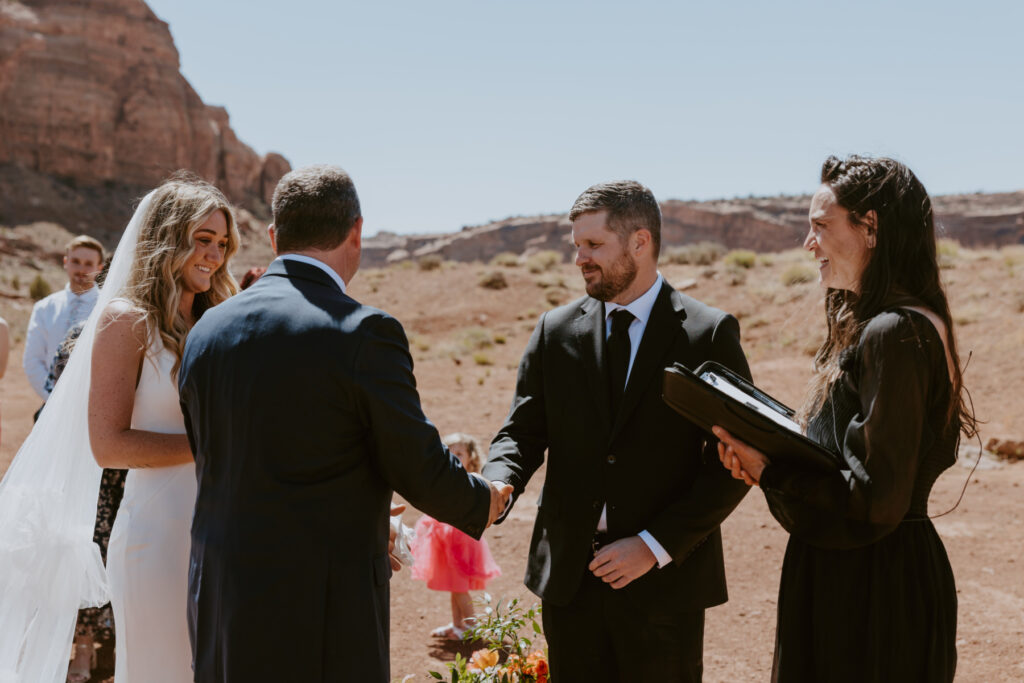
[867, 592]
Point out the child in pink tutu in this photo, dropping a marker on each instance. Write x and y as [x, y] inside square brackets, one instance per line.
[449, 560]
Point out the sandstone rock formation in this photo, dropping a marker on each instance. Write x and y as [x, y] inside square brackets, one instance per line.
[760, 224]
[93, 106]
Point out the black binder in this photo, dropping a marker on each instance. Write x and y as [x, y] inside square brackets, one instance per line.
[705, 404]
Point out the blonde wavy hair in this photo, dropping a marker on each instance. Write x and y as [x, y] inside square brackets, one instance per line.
[476, 458]
[166, 240]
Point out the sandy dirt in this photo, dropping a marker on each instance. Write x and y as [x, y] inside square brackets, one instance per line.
[467, 340]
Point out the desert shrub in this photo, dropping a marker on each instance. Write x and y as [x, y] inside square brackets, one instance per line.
[506, 259]
[475, 339]
[766, 260]
[39, 288]
[543, 260]
[743, 258]
[555, 296]
[493, 279]
[499, 338]
[1013, 255]
[481, 358]
[699, 254]
[947, 251]
[430, 262]
[797, 274]
[545, 280]
[16, 282]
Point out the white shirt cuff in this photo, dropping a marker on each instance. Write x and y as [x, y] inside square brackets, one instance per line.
[659, 553]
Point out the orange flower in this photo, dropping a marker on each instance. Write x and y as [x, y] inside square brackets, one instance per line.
[537, 664]
[483, 659]
[513, 664]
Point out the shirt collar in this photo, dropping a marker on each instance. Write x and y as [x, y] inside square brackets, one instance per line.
[90, 293]
[309, 260]
[641, 306]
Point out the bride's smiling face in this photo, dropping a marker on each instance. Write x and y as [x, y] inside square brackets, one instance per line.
[210, 241]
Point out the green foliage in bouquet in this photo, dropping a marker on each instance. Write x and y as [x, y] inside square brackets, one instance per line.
[500, 630]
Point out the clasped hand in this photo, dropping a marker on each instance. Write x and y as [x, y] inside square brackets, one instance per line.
[500, 494]
[623, 561]
[743, 460]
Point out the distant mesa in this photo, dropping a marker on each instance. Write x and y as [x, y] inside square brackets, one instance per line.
[761, 224]
[94, 111]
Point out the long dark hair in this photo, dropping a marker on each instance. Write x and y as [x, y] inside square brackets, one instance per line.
[903, 268]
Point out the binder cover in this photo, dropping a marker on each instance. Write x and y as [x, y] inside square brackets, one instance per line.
[755, 418]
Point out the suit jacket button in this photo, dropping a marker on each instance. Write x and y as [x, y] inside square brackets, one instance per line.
[610, 459]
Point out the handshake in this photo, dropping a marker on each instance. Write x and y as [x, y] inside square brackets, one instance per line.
[500, 493]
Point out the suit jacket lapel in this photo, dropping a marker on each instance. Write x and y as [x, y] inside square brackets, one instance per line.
[663, 327]
[590, 333]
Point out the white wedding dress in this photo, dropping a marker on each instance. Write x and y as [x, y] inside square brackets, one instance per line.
[148, 555]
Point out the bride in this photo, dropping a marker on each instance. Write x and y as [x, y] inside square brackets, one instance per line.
[117, 399]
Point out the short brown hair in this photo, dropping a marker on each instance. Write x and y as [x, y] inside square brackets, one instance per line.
[630, 207]
[88, 243]
[314, 207]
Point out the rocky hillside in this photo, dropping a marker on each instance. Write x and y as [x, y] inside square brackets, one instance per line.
[94, 110]
[761, 224]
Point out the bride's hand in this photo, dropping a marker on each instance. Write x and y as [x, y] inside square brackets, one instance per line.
[744, 461]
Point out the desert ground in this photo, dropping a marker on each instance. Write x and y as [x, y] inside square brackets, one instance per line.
[466, 340]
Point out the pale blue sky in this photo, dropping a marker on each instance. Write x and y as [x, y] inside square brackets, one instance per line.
[453, 113]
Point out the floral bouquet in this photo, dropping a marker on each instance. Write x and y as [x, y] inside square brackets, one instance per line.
[500, 631]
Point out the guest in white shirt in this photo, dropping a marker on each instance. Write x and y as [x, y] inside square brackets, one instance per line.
[53, 316]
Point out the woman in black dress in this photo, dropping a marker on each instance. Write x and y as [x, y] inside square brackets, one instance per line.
[867, 592]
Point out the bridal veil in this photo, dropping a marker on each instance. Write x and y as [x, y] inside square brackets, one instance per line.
[49, 565]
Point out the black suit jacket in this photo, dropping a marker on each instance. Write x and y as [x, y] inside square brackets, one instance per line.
[302, 411]
[653, 469]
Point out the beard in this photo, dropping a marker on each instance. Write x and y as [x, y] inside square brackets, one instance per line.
[614, 280]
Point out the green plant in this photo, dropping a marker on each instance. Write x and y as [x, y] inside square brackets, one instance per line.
[506, 259]
[493, 279]
[39, 288]
[546, 280]
[797, 274]
[555, 297]
[481, 358]
[743, 258]
[699, 254]
[430, 262]
[543, 260]
[500, 631]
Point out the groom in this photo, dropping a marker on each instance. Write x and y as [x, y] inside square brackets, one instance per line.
[302, 411]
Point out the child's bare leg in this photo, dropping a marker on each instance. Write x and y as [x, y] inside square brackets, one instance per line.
[462, 609]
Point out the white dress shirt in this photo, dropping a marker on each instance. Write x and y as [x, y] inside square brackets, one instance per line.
[51, 319]
[309, 260]
[641, 309]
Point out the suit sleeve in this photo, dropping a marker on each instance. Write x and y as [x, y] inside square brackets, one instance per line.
[35, 360]
[683, 526]
[517, 450]
[409, 452]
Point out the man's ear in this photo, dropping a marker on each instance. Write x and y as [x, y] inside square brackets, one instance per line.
[641, 239]
[356, 233]
[273, 238]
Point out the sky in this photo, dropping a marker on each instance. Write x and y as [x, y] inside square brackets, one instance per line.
[457, 113]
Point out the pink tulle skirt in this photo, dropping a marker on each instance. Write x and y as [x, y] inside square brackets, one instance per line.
[449, 560]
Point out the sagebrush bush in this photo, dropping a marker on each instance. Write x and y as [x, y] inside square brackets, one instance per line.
[430, 262]
[39, 288]
[543, 260]
[506, 259]
[493, 279]
[699, 254]
[797, 274]
[744, 258]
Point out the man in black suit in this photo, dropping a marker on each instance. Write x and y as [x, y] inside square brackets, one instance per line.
[626, 551]
[302, 411]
